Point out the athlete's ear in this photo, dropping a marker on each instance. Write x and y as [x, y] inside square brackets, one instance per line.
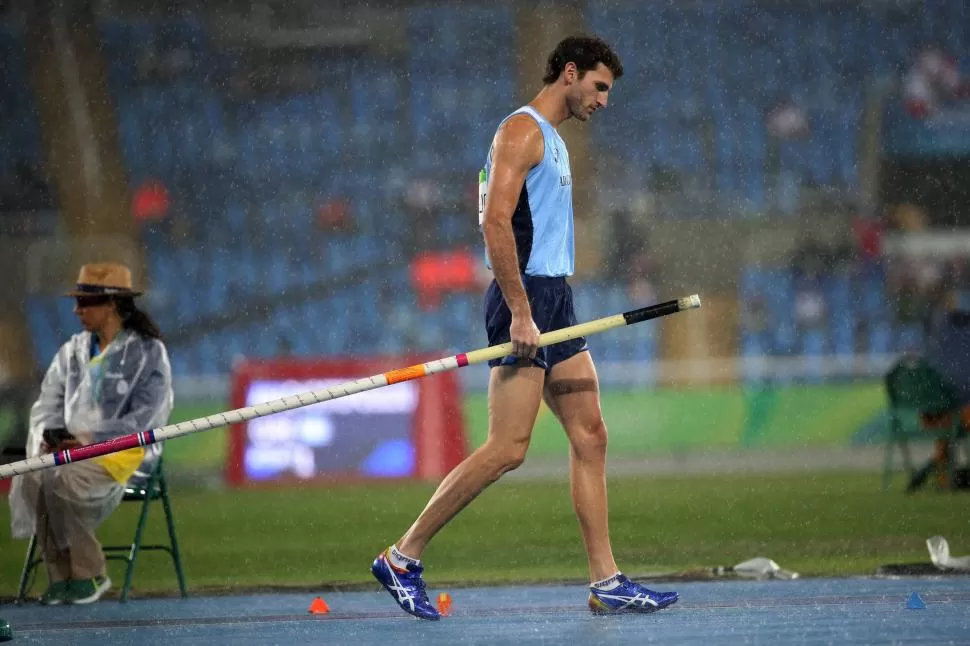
[570, 73]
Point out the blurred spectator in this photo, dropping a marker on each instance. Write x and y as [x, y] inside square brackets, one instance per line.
[810, 264]
[909, 217]
[641, 280]
[867, 232]
[150, 201]
[914, 283]
[933, 82]
[430, 204]
[434, 273]
[625, 243]
[788, 120]
[626, 258]
[421, 197]
[335, 215]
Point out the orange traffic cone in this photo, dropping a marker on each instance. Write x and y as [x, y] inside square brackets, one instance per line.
[444, 604]
[319, 607]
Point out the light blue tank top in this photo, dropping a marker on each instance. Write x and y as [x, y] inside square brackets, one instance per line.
[543, 218]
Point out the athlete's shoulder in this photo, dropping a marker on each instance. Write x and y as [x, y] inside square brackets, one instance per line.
[521, 124]
[520, 135]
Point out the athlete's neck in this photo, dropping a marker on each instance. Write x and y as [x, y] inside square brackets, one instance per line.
[551, 104]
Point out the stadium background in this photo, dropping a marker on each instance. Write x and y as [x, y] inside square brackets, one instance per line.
[298, 180]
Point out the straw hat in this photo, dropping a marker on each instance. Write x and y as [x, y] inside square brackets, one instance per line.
[103, 279]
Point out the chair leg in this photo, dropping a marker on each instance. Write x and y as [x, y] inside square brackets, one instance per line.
[907, 458]
[170, 521]
[951, 464]
[29, 566]
[887, 468]
[895, 438]
[136, 544]
[952, 445]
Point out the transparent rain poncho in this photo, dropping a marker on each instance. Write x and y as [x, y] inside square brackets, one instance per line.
[125, 389]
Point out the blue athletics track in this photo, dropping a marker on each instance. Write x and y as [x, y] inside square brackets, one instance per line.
[802, 611]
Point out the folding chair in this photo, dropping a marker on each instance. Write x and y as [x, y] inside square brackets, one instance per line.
[139, 489]
[914, 387]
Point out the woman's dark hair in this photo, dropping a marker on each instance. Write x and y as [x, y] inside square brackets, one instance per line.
[136, 320]
[586, 52]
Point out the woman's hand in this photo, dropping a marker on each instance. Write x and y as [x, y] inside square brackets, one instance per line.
[63, 446]
[69, 444]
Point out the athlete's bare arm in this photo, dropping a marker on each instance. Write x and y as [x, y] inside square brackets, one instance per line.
[518, 146]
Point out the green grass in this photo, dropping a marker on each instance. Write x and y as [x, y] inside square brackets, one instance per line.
[518, 531]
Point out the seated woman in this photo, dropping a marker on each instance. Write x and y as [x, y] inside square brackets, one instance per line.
[110, 380]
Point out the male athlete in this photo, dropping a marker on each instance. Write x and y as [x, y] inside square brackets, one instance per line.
[526, 216]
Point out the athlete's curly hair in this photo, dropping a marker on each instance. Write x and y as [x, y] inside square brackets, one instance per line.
[586, 52]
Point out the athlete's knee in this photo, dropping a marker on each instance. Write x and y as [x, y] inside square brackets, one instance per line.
[588, 441]
[513, 459]
[512, 455]
[507, 455]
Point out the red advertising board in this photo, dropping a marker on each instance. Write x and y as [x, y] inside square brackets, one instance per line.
[409, 430]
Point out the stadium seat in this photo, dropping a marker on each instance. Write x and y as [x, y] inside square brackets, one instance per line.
[310, 145]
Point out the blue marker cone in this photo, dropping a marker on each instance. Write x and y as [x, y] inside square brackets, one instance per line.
[915, 603]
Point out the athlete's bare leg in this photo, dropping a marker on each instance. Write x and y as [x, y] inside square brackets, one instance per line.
[514, 395]
[572, 393]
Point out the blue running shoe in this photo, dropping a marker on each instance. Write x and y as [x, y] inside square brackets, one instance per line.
[406, 586]
[629, 597]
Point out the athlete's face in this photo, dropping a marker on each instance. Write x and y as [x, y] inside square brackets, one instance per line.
[590, 93]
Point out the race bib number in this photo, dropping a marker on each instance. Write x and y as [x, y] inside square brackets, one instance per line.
[482, 184]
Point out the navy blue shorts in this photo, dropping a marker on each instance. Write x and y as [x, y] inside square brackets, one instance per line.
[551, 300]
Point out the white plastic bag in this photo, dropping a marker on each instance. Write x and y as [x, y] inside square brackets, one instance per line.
[762, 568]
[940, 555]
